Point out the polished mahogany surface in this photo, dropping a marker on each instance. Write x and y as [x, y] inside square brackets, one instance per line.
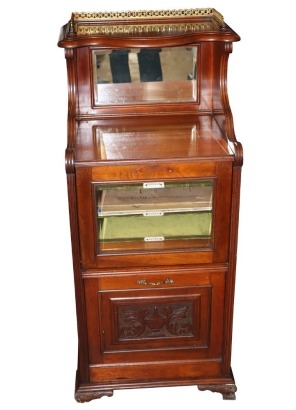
[140, 139]
[154, 289]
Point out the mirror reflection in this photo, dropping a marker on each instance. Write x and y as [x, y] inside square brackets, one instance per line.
[145, 75]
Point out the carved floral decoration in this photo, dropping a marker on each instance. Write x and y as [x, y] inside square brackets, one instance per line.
[155, 321]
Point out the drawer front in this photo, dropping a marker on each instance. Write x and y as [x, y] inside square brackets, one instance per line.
[155, 316]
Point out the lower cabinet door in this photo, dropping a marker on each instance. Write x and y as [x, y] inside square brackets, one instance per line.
[146, 325]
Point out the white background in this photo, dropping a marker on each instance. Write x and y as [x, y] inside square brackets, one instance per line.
[38, 323]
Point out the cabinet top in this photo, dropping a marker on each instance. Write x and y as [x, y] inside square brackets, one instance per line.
[128, 28]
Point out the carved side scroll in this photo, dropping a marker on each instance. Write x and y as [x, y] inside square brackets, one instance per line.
[229, 126]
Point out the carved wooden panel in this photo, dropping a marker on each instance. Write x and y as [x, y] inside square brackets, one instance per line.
[156, 320]
[159, 318]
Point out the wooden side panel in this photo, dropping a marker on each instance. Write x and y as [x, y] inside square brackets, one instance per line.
[84, 84]
[79, 288]
[230, 282]
[222, 211]
[86, 216]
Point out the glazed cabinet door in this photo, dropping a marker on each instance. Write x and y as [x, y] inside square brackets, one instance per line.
[134, 215]
[154, 317]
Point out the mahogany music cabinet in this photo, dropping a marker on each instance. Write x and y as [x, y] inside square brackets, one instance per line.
[153, 170]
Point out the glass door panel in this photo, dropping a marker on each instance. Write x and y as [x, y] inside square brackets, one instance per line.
[154, 215]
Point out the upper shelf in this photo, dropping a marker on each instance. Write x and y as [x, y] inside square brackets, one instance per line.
[151, 139]
[137, 27]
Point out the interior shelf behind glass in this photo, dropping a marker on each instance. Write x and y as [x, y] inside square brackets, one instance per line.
[154, 215]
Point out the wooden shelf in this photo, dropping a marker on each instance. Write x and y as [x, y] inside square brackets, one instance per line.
[156, 138]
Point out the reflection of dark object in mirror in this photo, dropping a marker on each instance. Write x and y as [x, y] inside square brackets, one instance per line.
[120, 66]
[190, 76]
[149, 65]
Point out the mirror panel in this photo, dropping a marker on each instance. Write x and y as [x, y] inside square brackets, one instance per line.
[147, 75]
